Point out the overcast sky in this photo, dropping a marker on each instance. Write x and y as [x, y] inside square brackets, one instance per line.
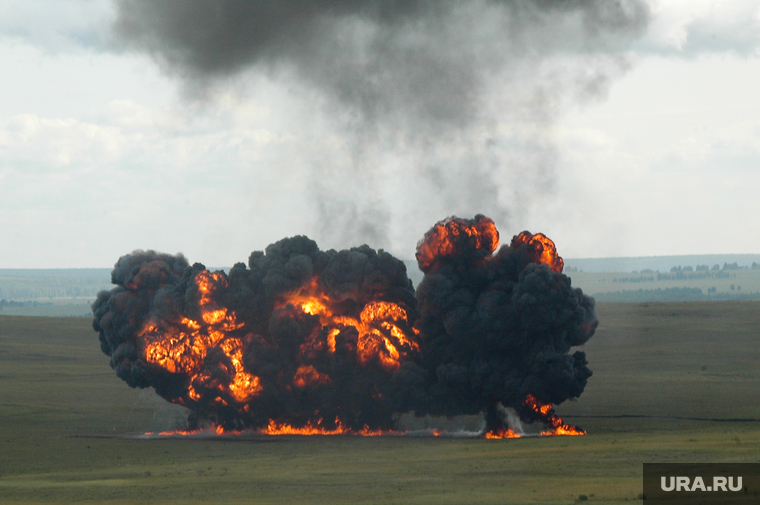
[629, 132]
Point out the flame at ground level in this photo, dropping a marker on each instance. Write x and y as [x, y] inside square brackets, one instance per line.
[545, 414]
[275, 430]
[502, 433]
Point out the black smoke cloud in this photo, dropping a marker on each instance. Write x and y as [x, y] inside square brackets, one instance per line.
[497, 328]
[141, 278]
[461, 94]
[426, 60]
[482, 330]
[157, 292]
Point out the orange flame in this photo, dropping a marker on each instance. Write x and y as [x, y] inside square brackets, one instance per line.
[442, 240]
[379, 327]
[217, 430]
[551, 420]
[543, 248]
[545, 413]
[383, 335]
[275, 428]
[243, 385]
[182, 348]
[307, 374]
[502, 433]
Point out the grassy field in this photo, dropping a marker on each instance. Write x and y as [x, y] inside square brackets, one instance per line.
[51, 307]
[672, 383]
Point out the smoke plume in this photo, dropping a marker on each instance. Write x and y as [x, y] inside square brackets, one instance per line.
[462, 95]
[339, 340]
[298, 336]
[426, 60]
[496, 329]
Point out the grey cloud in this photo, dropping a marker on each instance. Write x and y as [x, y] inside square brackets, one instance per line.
[428, 58]
[435, 73]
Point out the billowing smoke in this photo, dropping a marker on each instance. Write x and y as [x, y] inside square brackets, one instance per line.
[427, 60]
[338, 340]
[299, 336]
[461, 95]
[496, 329]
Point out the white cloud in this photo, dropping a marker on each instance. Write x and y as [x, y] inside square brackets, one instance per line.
[56, 26]
[669, 165]
[54, 144]
[128, 171]
[692, 27]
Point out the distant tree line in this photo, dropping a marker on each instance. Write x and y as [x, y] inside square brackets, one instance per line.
[634, 279]
[702, 268]
[27, 303]
[680, 273]
[701, 272]
[672, 295]
[50, 286]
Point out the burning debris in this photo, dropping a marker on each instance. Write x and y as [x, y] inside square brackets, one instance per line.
[304, 341]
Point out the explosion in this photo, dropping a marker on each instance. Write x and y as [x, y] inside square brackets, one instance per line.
[304, 341]
[496, 329]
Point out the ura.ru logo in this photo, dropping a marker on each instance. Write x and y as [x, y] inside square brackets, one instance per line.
[698, 484]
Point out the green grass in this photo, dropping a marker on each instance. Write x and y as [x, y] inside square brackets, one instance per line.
[65, 414]
[698, 359]
[373, 470]
[53, 310]
[50, 307]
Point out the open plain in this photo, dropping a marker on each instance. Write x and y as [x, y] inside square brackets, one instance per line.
[673, 382]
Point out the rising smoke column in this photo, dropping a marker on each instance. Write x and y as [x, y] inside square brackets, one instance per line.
[496, 329]
[461, 95]
[299, 337]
